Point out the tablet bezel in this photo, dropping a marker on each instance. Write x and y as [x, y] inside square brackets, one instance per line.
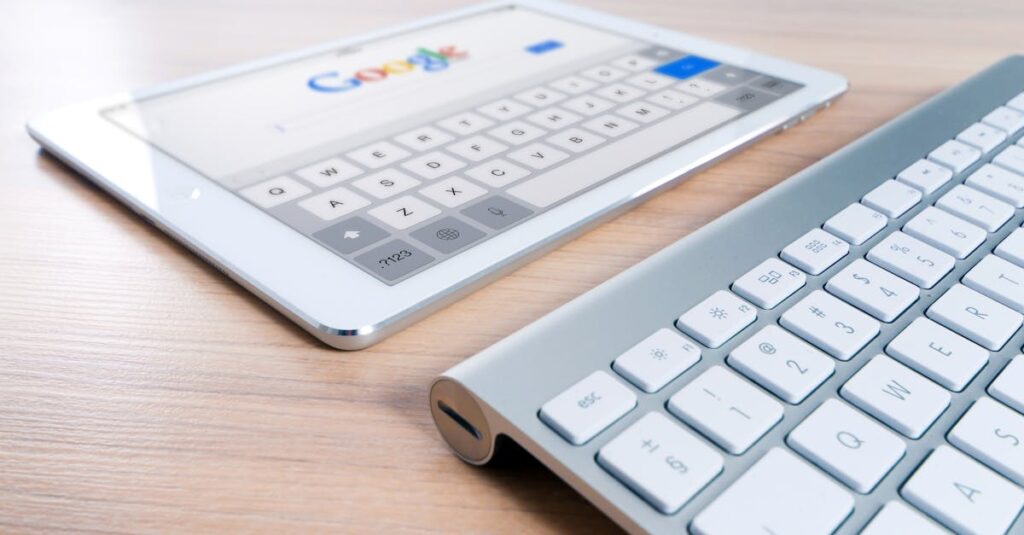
[325, 294]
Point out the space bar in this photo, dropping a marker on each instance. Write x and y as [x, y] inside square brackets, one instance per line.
[621, 154]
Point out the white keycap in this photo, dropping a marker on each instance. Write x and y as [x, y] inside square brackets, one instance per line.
[770, 283]
[962, 494]
[848, 445]
[726, 409]
[938, 353]
[873, 290]
[998, 279]
[643, 112]
[610, 125]
[423, 138]
[815, 251]
[982, 136]
[896, 395]
[504, 109]
[433, 165]
[782, 363]
[497, 173]
[781, 495]
[856, 223]
[1009, 385]
[386, 184]
[452, 191]
[1017, 103]
[662, 462]
[404, 212]
[634, 63]
[586, 408]
[538, 156]
[476, 148]
[620, 93]
[540, 96]
[892, 198]
[588, 105]
[553, 118]
[830, 324]
[573, 85]
[673, 100]
[651, 81]
[717, 319]
[1012, 158]
[993, 434]
[275, 191]
[517, 132]
[332, 204]
[378, 154]
[979, 208]
[978, 318]
[955, 155]
[604, 73]
[1012, 247]
[1007, 119]
[656, 360]
[911, 259]
[897, 517]
[999, 183]
[328, 172]
[925, 176]
[700, 87]
[575, 140]
[946, 232]
[465, 123]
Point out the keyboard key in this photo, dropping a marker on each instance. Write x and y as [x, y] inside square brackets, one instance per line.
[476, 148]
[999, 183]
[576, 140]
[1012, 158]
[604, 73]
[404, 212]
[955, 155]
[892, 198]
[726, 409]
[815, 251]
[540, 96]
[911, 259]
[610, 125]
[504, 109]
[926, 176]
[378, 154]
[517, 132]
[328, 172]
[452, 191]
[897, 517]
[979, 208]
[673, 100]
[982, 136]
[830, 324]
[962, 494]
[574, 85]
[634, 63]
[497, 173]
[393, 260]
[782, 363]
[717, 319]
[947, 232]
[465, 123]
[497, 212]
[588, 105]
[619, 93]
[700, 87]
[998, 279]
[1006, 119]
[642, 111]
[938, 353]
[848, 445]
[538, 156]
[1012, 247]
[662, 462]
[656, 360]
[780, 494]
[386, 184]
[1017, 103]
[275, 191]
[896, 395]
[553, 118]
[770, 283]
[586, 408]
[651, 81]
[447, 235]
[976, 317]
[994, 435]
[1009, 385]
[332, 204]
[433, 165]
[350, 235]
[856, 223]
[873, 290]
[423, 138]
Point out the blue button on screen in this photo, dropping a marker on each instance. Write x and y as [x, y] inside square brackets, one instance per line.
[686, 67]
[544, 46]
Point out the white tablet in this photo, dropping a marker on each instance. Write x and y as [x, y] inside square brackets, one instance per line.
[359, 185]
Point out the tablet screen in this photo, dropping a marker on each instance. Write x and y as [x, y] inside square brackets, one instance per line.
[400, 152]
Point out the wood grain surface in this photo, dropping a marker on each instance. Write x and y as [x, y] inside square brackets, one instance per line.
[142, 391]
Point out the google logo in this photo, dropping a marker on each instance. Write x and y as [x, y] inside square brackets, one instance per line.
[423, 58]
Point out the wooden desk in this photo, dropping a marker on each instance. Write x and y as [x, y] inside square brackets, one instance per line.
[140, 390]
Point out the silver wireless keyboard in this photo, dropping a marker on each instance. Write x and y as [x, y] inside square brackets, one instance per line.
[840, 354]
